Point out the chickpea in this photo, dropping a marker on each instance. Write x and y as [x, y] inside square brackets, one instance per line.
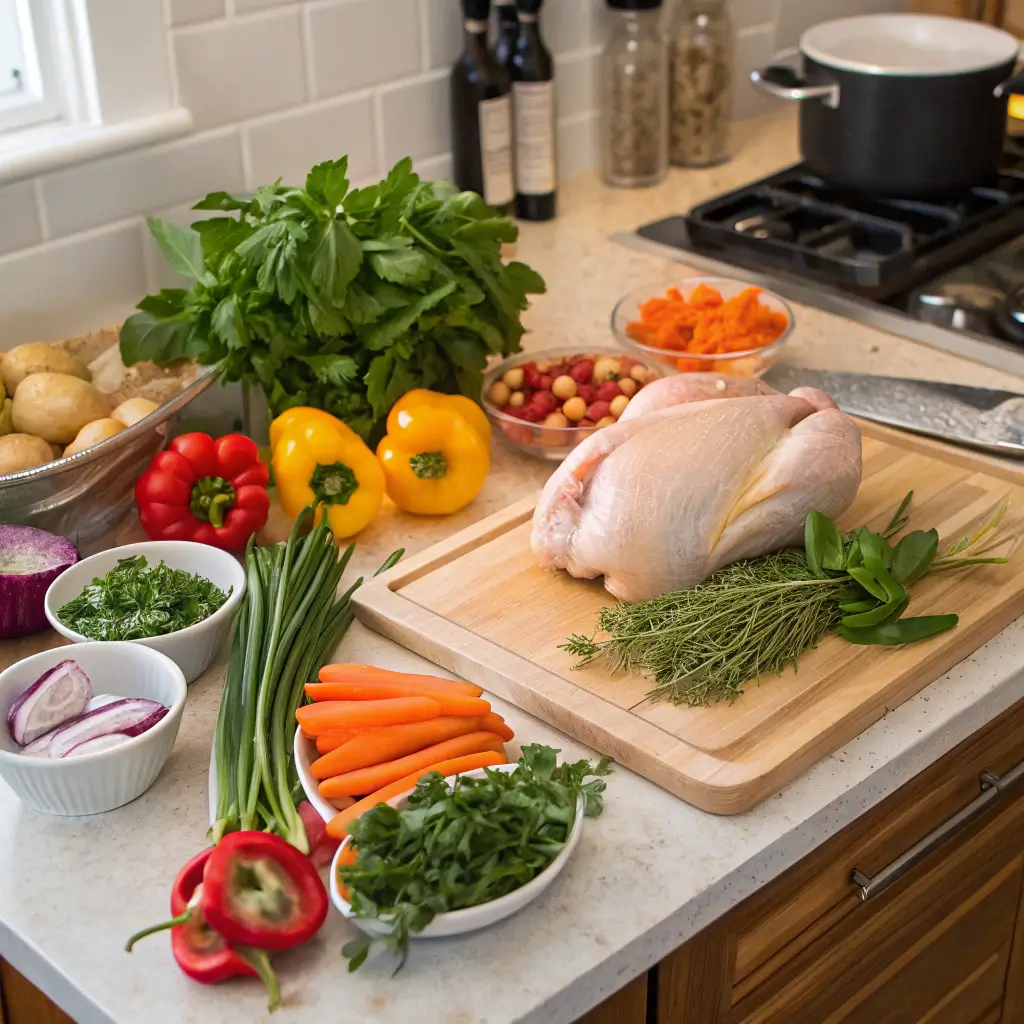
[564, 387]
[628, 386]
[499, 393]
[556, 419]
[516, 399]
[642, 374]
[605, 421]
[513, 378]
[618, 405]
[606, 368]
[543, 365]
[575, 409]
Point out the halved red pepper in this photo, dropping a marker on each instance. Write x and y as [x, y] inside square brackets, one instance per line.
[201, 952]
[259, 890]
[211, 492]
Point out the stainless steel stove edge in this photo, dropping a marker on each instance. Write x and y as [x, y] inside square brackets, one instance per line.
[990, 352]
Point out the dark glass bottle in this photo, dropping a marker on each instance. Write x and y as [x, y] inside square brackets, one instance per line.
[533, 105]
[481, 114]
[508, 32]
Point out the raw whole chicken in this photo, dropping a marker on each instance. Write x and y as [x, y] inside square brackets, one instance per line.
[685, 483]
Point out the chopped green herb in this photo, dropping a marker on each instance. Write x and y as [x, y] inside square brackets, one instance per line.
[466, 845]
[132, 602]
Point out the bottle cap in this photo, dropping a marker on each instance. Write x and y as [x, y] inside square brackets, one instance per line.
[528, 6]
[477, 10]
[633, 5]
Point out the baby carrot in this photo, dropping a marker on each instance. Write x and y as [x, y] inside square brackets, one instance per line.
[451, 704]
[429, 685]
[338, 825]
[367, 780]
[493, 722]
[386, 744]
[316, 719]
[348, 855]
[328, 741]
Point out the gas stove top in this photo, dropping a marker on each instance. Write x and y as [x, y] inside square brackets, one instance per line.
[947, 272]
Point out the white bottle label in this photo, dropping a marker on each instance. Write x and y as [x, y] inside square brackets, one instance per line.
[496, 150]
[534, 105]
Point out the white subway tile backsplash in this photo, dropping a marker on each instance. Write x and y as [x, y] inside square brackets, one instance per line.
[245, 6]
[754, 49]
[570, 24]
[288, 145]
[577, 144]
[748, 13]
[796, 16]
[62, 288]
[435, 168]
[576, 82]
[19, 218]
[184, 12]
[236, 69]
[441, 24]
[416, 119]
[109, 190]
[361, 42]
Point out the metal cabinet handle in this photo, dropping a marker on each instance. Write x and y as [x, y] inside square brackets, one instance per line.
[992, 786]
[1013, 86]
[784, 82]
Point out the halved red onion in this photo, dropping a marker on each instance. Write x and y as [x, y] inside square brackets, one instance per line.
[132, 716]
[30, 560]
[54, 698]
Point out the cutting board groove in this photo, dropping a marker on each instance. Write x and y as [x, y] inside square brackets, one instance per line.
[478, 605]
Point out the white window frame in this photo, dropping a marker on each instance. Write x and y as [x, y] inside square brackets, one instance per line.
[44, 95]
[111, 85]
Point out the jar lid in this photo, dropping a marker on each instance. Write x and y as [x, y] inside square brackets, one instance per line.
[633, 5]
[477, 10]
[528, 6]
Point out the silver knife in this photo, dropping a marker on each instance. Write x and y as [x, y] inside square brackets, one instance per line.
[982, 418]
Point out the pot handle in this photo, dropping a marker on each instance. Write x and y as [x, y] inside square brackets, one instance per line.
[783, 82]
[1014, 85]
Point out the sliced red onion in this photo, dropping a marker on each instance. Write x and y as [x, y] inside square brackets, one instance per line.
[101, 700]
[98, 743]
[54, 698]
[132, 716]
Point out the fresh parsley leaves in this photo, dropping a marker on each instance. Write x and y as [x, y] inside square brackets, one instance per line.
[336, 298]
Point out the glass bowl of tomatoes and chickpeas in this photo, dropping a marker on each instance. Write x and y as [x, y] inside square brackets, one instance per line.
[546, 402]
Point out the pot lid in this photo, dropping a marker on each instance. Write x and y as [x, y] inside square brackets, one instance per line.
[908, 44]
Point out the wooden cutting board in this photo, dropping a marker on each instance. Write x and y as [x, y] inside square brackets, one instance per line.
[478, 605]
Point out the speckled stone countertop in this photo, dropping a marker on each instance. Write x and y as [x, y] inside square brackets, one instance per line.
[647, 875]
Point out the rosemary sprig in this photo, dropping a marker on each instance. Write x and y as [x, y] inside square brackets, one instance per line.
[757, 617]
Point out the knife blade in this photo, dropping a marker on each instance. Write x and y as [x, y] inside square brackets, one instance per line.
[981, 418]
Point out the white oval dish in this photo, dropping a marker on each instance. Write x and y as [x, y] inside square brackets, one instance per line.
[97, 782]
[305, 752]
[193, 648]
[470, 919]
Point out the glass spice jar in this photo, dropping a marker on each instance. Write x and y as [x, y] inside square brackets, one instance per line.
[701, 89]
[634, 95]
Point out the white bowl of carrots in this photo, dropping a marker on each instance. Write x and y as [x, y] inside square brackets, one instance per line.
[370, 734]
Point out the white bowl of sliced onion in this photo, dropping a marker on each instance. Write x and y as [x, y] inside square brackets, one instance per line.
[87, 728]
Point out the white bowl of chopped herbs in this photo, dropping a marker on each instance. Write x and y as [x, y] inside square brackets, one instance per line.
[177, 597]
[455, 855]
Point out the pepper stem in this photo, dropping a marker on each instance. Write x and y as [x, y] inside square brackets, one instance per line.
[162, 927]
[212, 499]
[334, 484]
[429, 465]
[258, 960]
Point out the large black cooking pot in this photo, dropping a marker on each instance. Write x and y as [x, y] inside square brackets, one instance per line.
[902, 104]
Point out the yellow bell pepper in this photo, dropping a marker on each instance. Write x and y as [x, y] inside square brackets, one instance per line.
[436, 454]
[315, 463]
[304, 414]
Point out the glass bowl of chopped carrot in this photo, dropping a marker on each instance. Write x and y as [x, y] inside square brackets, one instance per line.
[705, 324]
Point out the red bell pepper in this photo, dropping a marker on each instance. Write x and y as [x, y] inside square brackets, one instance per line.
[259, 890]
[201, 952]
[211, 492]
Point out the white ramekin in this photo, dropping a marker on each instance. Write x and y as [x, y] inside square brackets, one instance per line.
[107, 779]
[192, 649]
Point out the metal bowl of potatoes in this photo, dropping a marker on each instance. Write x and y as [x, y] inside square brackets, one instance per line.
[87, 483]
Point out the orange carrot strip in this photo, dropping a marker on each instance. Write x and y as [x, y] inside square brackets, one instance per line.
[386, 744]
[328, 741]
[495, 723]
[338, 825]
[317, 719]
[367, 780]
[429, 685]
[347, 856]
[451, 704]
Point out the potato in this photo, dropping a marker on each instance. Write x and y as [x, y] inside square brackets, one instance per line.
[132, 410]
[6, 420]
[93, 433]
[19, 452]
[39, 357]
[55, 406]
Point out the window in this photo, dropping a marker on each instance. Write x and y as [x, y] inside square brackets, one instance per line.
[81, 79]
